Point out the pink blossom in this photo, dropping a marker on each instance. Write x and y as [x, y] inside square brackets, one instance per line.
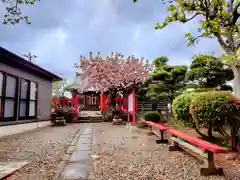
[115, 71]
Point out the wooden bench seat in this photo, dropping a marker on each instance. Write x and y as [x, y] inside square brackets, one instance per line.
[158, 130]
[202, 149]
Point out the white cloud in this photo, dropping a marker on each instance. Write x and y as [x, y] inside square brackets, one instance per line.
[136, 34]
[103, 12]
[60, 36]
[51, 42]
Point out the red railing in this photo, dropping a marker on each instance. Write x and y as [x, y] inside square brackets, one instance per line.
[123, 103]
[66, 102]
[105, 105]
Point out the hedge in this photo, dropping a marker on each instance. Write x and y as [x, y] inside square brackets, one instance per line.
[212, 108]
[180, 109]
[153, 116]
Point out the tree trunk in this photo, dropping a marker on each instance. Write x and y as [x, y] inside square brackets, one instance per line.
[200, 133]
[234, 136]
[210, 131]
[236, 81]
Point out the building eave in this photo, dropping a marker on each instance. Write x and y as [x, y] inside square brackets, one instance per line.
[8, 57]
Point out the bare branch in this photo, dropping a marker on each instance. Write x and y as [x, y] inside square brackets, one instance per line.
[191, 18]
[230, 6]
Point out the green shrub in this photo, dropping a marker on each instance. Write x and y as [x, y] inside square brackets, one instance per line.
[180, 109]
[153, 116]
[210, 109]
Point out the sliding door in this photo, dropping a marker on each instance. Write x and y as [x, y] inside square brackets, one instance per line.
[33, 100]
[24, 98]
[10, 98]
[28, 100]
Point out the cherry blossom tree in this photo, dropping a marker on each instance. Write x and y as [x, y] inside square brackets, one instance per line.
[114, 72]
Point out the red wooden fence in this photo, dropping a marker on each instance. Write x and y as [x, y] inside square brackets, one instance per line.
[66, 102]
[105, 105]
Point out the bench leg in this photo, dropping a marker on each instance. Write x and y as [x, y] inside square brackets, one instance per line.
[162, 140]
[174, 147]
[209, 168]
[150, 133]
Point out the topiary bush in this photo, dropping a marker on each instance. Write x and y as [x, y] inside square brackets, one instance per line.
[211, 109]
[180, 109]
[153, 116]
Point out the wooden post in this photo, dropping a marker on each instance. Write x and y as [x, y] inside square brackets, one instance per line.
[162, 139]
[209, 168]
[76, 107]
[101, 101]
[134, 110]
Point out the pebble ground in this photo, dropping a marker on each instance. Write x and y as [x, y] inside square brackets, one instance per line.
[124, 155]
[117, 154]
[43, 148]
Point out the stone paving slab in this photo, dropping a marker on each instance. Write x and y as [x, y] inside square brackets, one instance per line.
[76, 171]
[85, 136]
[85, 141]
[7, 168]
[86, 132]
[84, 147]
[80, 156]
[80, 161]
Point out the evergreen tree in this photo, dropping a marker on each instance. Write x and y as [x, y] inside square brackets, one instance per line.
[209, 72]
[166, 80]
[217, 19]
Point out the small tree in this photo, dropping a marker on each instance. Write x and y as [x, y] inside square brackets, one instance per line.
[209, 72]
[217, 19]
[181, 113]
[211, 109]
[113, 73]
[14, 13]
[167, 80]
[59, 88]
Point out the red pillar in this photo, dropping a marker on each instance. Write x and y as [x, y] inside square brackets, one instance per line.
[134, 109]
[76, 107]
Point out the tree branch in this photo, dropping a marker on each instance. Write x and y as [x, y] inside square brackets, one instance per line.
[222, 43]
[195, 15]
[230, 6]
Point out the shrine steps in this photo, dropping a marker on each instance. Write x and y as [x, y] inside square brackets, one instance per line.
[90, 119]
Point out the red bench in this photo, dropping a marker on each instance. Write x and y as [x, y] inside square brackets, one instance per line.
[158, 130]
[202, 149]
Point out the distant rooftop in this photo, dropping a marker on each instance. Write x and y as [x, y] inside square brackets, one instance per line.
[79, 84]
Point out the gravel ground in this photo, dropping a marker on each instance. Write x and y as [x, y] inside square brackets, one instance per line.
[43, 148]
[123, 155]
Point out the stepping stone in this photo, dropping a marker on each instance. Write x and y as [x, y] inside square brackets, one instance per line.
[83, 147]
[85, 136]
[84, 141]
[75, 171]
[86, 132]
[80, 156]
[7, 168]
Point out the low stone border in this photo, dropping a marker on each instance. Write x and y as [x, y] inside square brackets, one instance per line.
[68, 154]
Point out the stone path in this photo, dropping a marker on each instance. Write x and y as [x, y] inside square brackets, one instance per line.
[79, 163]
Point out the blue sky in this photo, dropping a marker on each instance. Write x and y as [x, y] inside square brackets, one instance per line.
[62, 30]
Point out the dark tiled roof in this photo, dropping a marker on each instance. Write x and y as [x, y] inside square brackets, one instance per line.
[12, 59]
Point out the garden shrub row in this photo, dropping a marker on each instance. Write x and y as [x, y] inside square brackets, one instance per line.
[212, 110]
